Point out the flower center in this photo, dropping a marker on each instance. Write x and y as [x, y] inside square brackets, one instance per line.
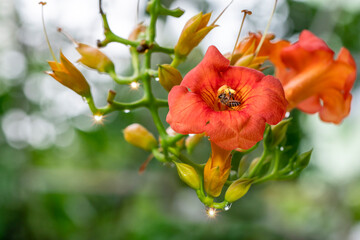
[227, 97]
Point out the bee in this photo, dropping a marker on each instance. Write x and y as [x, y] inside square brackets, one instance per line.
[226, 96]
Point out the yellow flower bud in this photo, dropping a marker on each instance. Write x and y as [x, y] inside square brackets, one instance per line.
[192, 141]
[68, 75]
[217, 170]
[169, 76]
[139, 136]
[237, 189]
[188, 175]
[194, 31]
[93, 58]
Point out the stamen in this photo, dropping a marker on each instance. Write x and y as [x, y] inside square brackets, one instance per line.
[60, 30]
[246, 12]
[222, 13]
[46, 36]
[266, 30]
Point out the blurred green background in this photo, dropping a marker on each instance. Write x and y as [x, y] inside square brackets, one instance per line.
[62, 177]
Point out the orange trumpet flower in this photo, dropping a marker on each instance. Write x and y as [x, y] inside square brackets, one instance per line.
[313, 81]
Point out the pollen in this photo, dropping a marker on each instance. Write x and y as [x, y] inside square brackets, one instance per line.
[225, 89]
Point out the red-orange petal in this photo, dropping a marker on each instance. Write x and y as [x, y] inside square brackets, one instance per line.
[188, 112]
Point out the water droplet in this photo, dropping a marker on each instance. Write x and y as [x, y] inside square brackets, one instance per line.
[126, 111]
[227, 207]
[281, 148]
[287, 114]
[157, 79]
[84, 99]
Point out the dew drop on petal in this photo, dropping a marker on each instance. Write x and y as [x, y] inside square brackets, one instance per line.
[126, 111]
[287, 114]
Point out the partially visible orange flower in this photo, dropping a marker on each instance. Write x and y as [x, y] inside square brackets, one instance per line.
[68, 75]
[244, 54]
[193, 32]
[217, 170]
[313, 81]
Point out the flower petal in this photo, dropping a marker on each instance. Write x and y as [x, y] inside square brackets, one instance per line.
[335, 106]
[261, 95]
[188, 112]
[309, 49]
[235, 129]
[207, 75]
[346, 58]
[310, 105]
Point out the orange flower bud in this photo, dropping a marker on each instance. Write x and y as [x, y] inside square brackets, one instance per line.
[188, 175]
[217, 170]
[169, 76]
[68, 75]
[193, 140]
[237, 189]
[93, 58]
[139, 136]
[194, 31]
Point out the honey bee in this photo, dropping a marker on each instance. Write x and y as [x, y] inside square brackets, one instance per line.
[226, 96]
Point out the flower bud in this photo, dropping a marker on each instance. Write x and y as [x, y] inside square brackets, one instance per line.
[193, 140]
[139, 136]
[303, 160]
[217, 170]
[279, 132]
[243, 166]
[68, 75]
[169, 76]
[188, 175]
[194, 31]
[253, 163]
[237, 189]
[93, 58]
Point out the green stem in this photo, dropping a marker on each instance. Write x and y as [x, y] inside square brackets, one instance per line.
[157, 48]
[123, 80]
[174, 139]
[161, 102]
[114, 106]
[135, 61]
[184, 159]
[177, 60]
[111, 37]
